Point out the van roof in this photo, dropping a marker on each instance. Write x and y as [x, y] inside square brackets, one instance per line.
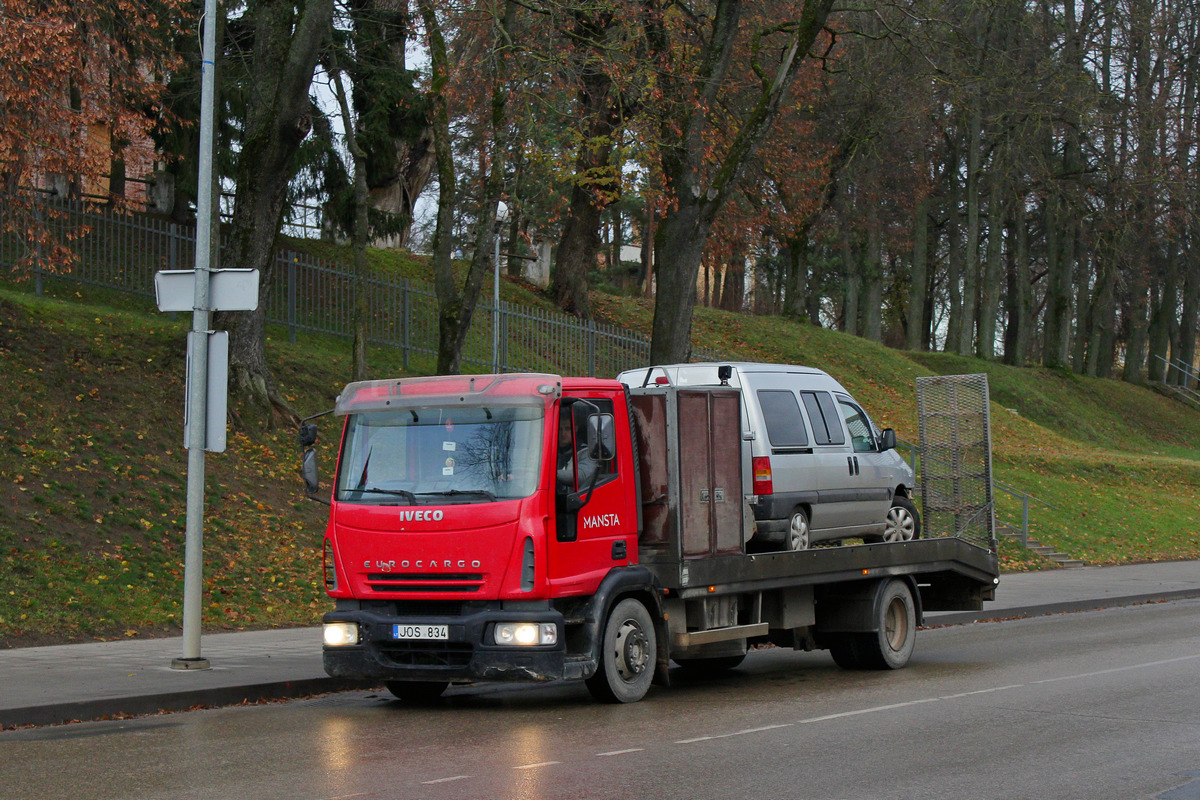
[674, 372]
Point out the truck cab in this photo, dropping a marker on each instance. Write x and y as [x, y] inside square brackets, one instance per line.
[468, 517]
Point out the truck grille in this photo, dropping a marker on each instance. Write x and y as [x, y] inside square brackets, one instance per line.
[426, 654]
[424, 582]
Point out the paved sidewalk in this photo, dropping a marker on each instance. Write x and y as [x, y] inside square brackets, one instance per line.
[46, 685]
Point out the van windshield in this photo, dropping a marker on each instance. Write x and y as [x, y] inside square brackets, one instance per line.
[439, 456]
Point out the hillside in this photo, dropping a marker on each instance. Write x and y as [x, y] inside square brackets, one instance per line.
[93, 472]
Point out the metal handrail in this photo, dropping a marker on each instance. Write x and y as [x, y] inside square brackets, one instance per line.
[1024, 497]
[1185, 368]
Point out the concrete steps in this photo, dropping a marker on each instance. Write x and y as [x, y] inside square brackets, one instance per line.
[1062, 559]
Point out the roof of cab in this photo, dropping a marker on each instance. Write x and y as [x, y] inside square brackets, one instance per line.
[441, 390]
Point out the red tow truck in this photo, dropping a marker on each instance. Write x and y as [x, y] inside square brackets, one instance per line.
[532, 527]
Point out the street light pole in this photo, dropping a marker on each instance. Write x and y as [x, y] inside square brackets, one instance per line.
[193, 574]
[501, 217]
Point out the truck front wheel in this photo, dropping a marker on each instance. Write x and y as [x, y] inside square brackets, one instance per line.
[628, 654]
[417, 692]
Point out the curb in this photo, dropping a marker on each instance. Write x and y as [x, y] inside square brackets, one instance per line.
[137, 705]
[1046, 609]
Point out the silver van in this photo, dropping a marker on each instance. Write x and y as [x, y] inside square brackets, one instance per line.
[816, 468]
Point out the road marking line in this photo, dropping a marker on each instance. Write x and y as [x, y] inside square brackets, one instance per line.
[1120, 669]
[983, 691]
[539, 764]
[621, 752]
[447, 780]
[735, 733]
[891, 706]
[862, 711]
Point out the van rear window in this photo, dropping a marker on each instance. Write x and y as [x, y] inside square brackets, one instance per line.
[785, 426]
[823, 414]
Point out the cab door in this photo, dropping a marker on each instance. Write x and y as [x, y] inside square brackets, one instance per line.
[595, 518]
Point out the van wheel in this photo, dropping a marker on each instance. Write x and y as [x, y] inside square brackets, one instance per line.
[799, 537]
[902, 523]
[628, 654]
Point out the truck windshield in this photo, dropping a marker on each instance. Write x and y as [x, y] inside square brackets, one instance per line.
[439, 456]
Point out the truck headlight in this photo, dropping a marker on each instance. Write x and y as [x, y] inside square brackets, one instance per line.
[526, 633]
[339, 634]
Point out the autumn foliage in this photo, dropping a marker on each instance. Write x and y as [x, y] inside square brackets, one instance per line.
[79, 93]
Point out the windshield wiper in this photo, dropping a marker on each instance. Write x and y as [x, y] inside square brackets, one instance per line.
[405, 493]
[459, 492]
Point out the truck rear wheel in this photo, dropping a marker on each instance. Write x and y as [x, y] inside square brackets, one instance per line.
[628, 654]
[417, 692]
[891, 644]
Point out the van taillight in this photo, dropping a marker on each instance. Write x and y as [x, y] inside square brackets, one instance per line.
[762, 476]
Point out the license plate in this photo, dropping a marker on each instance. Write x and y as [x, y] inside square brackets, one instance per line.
[440, 632]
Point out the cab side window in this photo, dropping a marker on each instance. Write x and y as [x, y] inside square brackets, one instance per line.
[862, 438]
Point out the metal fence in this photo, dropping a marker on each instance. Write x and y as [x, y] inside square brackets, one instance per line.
[305, 294]
[954, 418]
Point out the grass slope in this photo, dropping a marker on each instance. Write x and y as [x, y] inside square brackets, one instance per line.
[93, 472]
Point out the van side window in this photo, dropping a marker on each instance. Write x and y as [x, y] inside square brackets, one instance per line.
[823, 414]
[785, 426]
[861, 436]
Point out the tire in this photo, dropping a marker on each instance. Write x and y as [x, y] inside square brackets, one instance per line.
[892, 644]
[708, 667]
[903, 522]
[844, 649]
[417, 692]
[889, 646]
[799, 535]
[628, 655]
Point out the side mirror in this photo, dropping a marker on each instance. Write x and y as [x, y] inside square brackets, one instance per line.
[308, 471]
[887, 440]
[601, 437]
[308, 435]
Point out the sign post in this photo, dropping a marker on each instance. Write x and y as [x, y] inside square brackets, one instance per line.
[202, 306]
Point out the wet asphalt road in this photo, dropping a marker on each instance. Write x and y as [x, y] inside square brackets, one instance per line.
[1095, 705]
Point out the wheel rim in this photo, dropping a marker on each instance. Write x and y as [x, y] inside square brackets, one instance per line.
[900, 525]
[632, 650]
[798, 537]
[895, 624]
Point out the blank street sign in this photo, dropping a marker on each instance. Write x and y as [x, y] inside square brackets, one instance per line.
[228, 289]
[217, 390]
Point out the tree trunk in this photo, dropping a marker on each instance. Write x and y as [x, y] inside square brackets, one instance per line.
[851, 285]
[954, 324]
[970, 273]
[684, 150]
[1102, 322]
[597, 179]
[796, 297]
[287, 41]
[871, 308]
[393, 116]
[989, 291]
[358, 234]
[455, 308]
[918, 276]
